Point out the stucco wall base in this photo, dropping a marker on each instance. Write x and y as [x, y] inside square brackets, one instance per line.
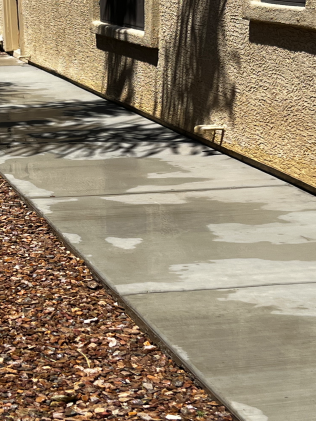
[264, 162]
[268, 165]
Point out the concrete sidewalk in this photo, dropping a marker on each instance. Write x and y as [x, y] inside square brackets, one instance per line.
[216, 257]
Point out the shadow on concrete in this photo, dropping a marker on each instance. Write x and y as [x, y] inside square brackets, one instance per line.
[9, 93]
[91, 127]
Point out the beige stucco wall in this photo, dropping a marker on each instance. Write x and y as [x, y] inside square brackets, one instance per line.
[213, 67]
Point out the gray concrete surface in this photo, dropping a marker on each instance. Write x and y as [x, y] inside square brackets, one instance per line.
[216, 257]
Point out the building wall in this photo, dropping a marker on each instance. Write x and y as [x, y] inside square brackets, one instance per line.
[213, 67]
[0, 17]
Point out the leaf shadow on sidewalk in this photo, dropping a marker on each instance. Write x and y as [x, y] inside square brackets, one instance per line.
[90, 127]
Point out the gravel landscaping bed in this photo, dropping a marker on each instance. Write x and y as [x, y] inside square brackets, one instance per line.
[68, 351]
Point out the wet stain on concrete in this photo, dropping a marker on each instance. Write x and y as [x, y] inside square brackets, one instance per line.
[260, 359]
[178, 251]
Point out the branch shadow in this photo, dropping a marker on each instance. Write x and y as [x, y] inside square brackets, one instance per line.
[90, 128]
[192, 78]
[9, 93]
[196, 80]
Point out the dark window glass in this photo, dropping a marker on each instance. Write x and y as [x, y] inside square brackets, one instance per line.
[300, 3]
[128, 13]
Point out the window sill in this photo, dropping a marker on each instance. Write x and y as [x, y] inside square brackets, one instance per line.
[304, 17]
[134, 36]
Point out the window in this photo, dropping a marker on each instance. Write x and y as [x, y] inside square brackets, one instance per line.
[300, 3]
[301, 13]
[125, 13]
[133, 21]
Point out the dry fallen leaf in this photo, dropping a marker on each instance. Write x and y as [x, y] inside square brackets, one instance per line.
[112, 342]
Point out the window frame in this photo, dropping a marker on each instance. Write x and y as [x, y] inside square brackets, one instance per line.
[304, 17]
[147, 37]
[286, 2]
[134, 18]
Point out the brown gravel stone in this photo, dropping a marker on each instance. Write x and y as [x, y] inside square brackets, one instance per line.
[67, 349]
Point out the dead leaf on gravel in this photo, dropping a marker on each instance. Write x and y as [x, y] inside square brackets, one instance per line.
[112, 342]
[93, 285]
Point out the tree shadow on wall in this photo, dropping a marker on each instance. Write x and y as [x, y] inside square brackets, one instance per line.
[194, 72]
[121, 61]
[121, 58]
[196, 81]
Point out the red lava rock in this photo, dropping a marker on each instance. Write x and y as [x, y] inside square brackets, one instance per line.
[53, 364]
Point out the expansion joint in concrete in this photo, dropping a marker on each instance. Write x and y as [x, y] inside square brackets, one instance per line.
[155, 192]
[168, 291]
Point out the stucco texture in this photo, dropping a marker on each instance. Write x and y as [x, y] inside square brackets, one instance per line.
[212, 66]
